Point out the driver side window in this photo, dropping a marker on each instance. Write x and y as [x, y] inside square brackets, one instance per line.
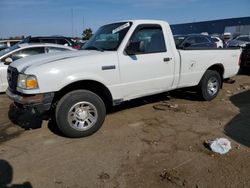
[151, 40]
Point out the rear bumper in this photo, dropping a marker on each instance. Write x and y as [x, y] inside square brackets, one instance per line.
[39, 102]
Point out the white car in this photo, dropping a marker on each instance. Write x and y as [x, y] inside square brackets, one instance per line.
[122, 61]
[218, 41]
[18, 51]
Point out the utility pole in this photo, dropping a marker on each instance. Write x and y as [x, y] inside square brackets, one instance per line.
[72, 22]
[83, 23]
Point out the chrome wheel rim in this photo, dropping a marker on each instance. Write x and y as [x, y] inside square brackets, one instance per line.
[82, 116]
[212, 86]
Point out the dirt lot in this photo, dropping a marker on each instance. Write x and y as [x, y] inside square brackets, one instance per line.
[151, 142]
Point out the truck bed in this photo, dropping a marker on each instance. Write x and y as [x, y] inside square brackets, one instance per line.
[193, 63]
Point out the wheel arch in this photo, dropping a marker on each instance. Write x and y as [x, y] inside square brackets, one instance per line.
[220, 69]
[94, 86]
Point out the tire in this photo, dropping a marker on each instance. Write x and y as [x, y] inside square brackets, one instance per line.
[209, 85]
[80, 113]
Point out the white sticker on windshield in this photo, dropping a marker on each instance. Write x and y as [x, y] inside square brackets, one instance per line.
[121, 28]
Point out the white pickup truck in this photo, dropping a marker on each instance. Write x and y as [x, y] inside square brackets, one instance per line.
[122, 61]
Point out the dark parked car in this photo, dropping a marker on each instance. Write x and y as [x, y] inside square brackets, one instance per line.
[52, 39]
[194, 41]
[245, 58]
[240, 41]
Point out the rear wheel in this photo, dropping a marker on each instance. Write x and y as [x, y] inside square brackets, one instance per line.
[80, 113]
[210, 85]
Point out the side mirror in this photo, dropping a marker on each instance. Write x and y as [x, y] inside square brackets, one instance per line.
[179, 47]
[134, 48]
[8, 61]
[186, 45]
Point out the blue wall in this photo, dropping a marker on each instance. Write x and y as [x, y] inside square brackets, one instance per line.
[214, 26]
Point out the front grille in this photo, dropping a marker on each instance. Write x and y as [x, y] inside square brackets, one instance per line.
[12, 76]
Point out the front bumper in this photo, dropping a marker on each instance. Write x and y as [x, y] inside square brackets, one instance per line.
[39, 102]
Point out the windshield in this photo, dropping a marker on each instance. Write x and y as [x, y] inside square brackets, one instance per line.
[5, 51]
[108, 37]
[178, 40]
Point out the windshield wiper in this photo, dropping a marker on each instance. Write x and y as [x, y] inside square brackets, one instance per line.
[94, 48]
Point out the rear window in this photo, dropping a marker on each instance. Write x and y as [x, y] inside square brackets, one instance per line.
[215, 39]
[48, 40]
[201, 40]
[62, 41]
[178, 40]
[247, 39]
[34, 40]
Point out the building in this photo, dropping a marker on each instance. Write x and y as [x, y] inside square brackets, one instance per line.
[235, 26]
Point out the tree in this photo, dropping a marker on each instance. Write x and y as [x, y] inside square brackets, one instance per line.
[87, 33]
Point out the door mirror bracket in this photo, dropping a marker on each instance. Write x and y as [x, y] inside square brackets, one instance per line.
[134, 48]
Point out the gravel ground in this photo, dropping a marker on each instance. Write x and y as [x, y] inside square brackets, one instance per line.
[156, 141]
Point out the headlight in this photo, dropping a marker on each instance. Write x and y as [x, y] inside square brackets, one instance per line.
[27, 81]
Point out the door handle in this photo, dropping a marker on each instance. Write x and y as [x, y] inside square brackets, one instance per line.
[167, 59]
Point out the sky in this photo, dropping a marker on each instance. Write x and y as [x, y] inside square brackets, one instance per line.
[70, 17]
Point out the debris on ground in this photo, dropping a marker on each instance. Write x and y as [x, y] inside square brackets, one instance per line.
[238, 146]
[104, 176]
[172, 177]
[190, 148]
[243, 87]
[58, 182]
[219, 145]
[229, 81]
[166, 106]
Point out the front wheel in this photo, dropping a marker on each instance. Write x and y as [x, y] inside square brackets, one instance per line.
[80, 113]
[209, 85]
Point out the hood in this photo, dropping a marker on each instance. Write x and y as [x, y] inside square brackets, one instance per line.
[22, 64]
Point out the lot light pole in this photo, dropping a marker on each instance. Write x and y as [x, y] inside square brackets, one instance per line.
[72, 22]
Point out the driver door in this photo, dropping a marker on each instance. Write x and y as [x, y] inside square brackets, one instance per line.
[151, 69]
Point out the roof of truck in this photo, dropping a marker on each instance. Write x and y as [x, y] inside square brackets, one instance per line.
[142, 21]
